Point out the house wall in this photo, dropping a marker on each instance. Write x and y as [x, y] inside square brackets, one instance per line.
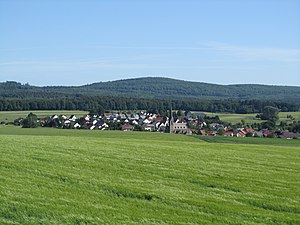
[179, 128]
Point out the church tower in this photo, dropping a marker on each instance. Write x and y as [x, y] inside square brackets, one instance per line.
[171, 122]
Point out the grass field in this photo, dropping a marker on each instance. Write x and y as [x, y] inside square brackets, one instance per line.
[283, 116]
[250, 140]
[250, 118]
[236, 118]
[10, 116]
[52, 176]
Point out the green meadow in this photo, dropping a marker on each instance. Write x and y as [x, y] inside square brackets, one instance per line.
[55, 176]
[250, 140]
[10, 116]
[250, 118]
[283, 116]
[236, 118]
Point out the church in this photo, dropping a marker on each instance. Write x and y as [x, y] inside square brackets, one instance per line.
[178, 127]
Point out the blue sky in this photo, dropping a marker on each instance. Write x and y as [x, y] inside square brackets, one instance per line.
[75, 42]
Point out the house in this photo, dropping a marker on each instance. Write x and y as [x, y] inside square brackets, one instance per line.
[135, 116]
[67, 123]
[134, 122]
[289, 135]
[147, 121]
[212, 133]
[228, 134]
[258, 134]
[250, 130]
[77, 125]
[190, 114]
[53, 117]
[149, 127]
[181, 119]
[72, 118]
[216, 125]
[241, 133]
[162, 127]
[268, 133]
[127, 127]
[86, 118]
[104, 126]
[107, 116]
[190, 131]
[159, 119]
[199, 114]
[202, 132]
[123, 116]
[157, 124]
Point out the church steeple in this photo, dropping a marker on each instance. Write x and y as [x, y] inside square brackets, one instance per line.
[171, 122]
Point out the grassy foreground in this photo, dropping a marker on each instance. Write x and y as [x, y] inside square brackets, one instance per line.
[251, 140]
[50, 176]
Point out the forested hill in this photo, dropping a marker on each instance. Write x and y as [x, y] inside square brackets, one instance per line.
[171, 88]
[156, 87]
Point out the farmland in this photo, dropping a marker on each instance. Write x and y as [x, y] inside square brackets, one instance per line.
[250, 118]
[236, 118]
[10, 116]
[54, 176]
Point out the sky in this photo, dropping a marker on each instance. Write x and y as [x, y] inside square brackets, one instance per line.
[76, 42]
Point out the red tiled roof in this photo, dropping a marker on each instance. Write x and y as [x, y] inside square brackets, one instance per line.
[202, 132]
[250, 130]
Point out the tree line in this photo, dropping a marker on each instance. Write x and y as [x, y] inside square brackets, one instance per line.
[100, 103]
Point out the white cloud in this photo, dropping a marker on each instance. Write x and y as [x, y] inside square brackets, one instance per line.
[237, 51]
[216, 49]
[67, 65]
[256, 53]
[220, 55]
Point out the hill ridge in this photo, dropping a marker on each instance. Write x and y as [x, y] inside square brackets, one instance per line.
[159, 87]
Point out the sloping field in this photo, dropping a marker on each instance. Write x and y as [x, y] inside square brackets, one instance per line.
[236, 118]
[94, 177]
[250, 118]
[10, 116]
[251, 140]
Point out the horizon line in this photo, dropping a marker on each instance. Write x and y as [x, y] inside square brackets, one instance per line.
[145, 77]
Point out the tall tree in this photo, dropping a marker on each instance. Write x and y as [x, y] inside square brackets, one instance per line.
[269, 113]
[30, 121]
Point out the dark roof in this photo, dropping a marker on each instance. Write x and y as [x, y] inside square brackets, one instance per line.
[126, 127]
[289, 135]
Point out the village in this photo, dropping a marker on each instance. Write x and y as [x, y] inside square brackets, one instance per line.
[188, 123]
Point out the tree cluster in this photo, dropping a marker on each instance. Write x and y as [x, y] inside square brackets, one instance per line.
[99, 103]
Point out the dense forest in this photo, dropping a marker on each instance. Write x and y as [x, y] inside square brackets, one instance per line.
[149, 93]
[100, 103]
[156, 88]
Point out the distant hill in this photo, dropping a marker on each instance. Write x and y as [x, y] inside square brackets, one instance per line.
[158, 88]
